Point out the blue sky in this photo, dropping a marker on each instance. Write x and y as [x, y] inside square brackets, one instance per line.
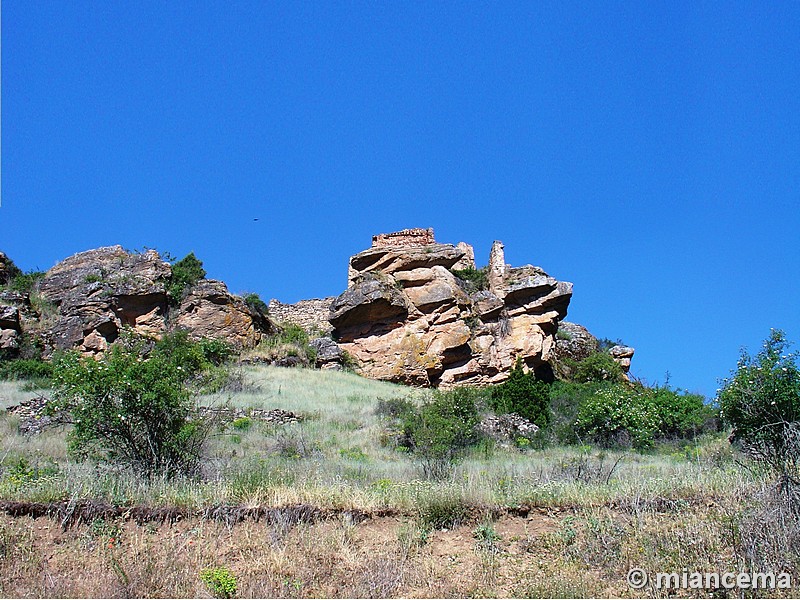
[648, 152]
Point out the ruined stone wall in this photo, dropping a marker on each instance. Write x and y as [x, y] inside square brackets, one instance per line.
[311, 315]
[404, 238]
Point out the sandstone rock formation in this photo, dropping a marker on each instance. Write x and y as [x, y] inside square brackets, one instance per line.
[97, 292]
[91, 296]
[406, 317]
[574, 343]
[210, 311]
[622, 355]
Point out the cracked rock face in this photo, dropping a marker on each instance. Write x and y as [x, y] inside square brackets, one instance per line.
[406, 317]
[93, 295]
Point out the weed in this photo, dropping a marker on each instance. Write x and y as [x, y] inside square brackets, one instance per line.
[219, 581]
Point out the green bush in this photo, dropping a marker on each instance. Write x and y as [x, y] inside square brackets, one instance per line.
[133, 407]
[618, 415]
[216, 352]
[293, 334]
[566, 397]
[219, 581]
[24, 283]
[523, 394]
[475, 279]
[761, 401]
[255, 302]
[242, 423]
[441, 429]
[185, 273]
[596, 367]
[34, 370]
[681, 414]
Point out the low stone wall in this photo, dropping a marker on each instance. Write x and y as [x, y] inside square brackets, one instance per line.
[311, 315]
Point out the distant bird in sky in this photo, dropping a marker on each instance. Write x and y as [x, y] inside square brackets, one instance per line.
[256, 219]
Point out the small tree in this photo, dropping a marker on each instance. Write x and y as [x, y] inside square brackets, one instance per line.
[185, 273]
[523, 394]
[133, 407]
[441, 429]
[761, 401]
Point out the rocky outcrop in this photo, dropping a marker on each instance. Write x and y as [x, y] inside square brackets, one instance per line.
[90, 297]
[622, 355]
[574, 343]
[8, 270]
[209, 310]
[506, 430]
[98, 292]
[407, 317]
[329, 354]
[9, 330]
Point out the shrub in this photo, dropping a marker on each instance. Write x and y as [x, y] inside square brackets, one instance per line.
[521, 393]
[597, 367]
[242, 423]
[761, 401]
[293, 334]
[185, 273]
[24, 283]
[566, 398]
[634, 415]
[618, 415]
[219, 581]
[255, 302]
[33, 370]
[680, 414]
[475, 279]
[216, 352]
[132, 407]
[439, 430]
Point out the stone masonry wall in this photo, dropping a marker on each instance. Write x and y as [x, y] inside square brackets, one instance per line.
[311, 315]
[404, 238]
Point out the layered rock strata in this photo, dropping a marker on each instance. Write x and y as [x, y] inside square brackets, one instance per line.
[407, 317]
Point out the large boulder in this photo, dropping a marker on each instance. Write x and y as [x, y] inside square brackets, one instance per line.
[575, 343]
[91, 296]
[209, 310]
[9, 330]
[407, 317]
[96, 293]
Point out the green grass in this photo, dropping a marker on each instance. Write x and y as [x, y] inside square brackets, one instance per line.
[334, 458]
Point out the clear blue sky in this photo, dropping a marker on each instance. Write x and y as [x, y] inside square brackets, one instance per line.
[648, 152]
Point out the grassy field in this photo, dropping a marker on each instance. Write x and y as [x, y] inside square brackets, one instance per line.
[566, 521]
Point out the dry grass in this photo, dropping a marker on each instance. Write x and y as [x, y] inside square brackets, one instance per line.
[587, 516]
[549, 553]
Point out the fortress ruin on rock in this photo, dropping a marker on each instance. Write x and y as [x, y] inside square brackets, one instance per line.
[419, 312]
